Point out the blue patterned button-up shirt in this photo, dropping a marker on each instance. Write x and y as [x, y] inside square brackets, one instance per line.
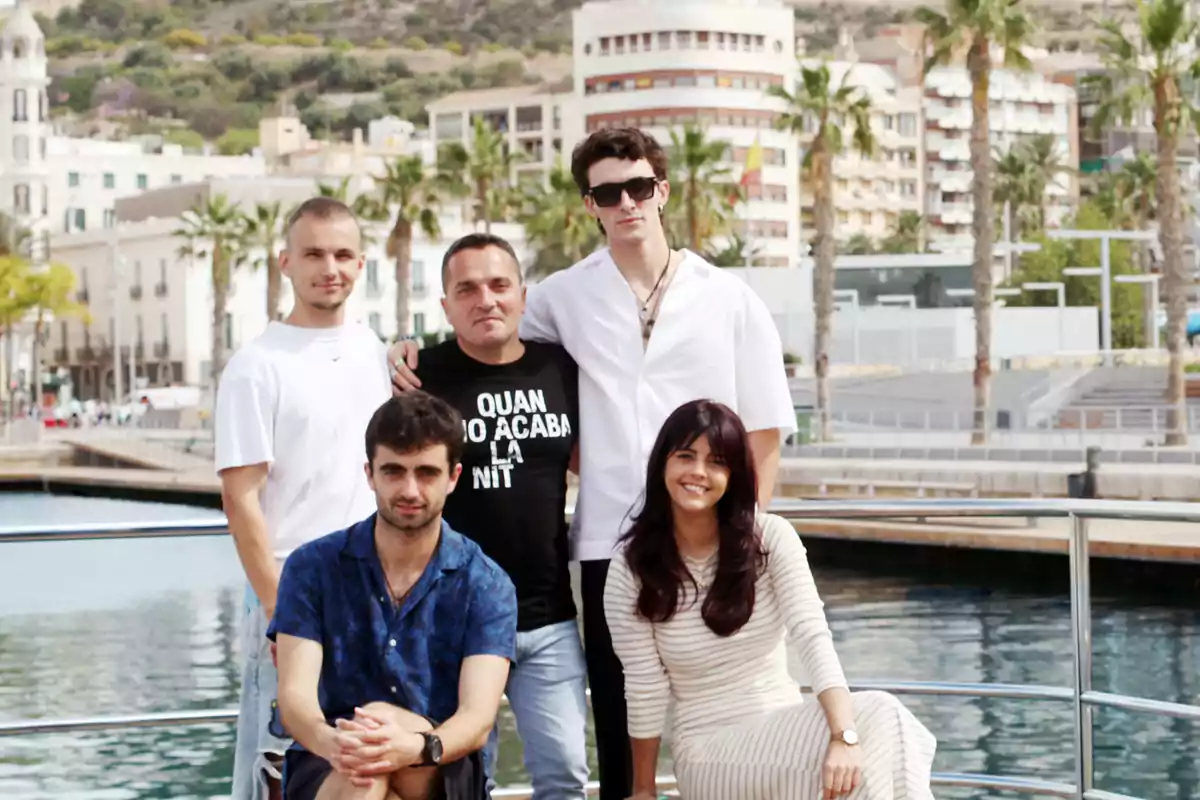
[333, 591]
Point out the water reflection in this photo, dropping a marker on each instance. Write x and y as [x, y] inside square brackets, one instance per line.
[117, 627]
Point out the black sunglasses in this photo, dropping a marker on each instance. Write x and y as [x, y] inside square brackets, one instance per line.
[607, 195]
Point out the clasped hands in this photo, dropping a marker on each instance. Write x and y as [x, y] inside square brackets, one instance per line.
[371, 746]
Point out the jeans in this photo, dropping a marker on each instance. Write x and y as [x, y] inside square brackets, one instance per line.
[259, 732]
[546, 690]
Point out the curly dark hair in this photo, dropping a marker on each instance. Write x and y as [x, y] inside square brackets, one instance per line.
[651, 551]
[630, 144]
[414, 421]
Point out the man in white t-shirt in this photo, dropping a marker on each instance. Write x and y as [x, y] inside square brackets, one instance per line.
[291, 412]
[651, 328]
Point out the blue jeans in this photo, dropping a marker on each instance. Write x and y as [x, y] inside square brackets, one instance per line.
[546, 690]
[259, 733]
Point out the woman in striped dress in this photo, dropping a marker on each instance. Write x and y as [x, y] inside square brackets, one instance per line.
[701, 606]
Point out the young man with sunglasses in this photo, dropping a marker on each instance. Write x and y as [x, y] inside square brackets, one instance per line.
[650, 328]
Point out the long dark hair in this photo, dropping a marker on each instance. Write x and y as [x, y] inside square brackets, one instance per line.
[651, 551]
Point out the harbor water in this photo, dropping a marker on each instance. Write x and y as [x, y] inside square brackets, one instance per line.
[126, 626]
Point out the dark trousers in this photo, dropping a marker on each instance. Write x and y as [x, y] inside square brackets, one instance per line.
[607, 682]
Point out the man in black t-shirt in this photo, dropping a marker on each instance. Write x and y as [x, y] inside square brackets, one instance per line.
[520, 408]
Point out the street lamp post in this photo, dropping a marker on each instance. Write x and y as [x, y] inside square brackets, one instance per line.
[852, 296]
[1153, 280]
[909, 300]
[1105, 270]
[1061, 289]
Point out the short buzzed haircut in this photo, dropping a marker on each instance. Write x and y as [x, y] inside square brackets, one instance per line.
[319, 207]
[478, 241]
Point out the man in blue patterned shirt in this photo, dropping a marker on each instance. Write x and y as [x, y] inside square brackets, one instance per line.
[396, 634]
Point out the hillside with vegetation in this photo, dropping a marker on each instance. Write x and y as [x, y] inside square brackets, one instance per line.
[210, 69]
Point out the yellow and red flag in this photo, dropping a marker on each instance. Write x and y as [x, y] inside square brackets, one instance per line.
[752, 171]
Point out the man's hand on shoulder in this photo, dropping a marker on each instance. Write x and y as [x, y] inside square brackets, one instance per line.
[402, 360]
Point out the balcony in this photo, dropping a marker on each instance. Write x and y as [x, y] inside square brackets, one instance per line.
[135, 291]
[160, 289]
[162, 349]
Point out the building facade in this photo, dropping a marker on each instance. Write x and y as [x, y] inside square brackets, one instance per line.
[1022, 104]
[532, 117]
[871, 192]
[25, 176]
[660, 66]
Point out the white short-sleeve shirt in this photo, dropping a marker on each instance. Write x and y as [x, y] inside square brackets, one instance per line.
[714, 339]
[299, 399]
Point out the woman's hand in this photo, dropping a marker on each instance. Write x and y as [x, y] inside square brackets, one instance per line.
[843, 770]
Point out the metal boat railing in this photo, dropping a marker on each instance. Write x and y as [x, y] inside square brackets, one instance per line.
[1080, 694]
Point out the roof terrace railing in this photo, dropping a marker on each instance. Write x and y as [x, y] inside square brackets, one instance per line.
[1080, 694]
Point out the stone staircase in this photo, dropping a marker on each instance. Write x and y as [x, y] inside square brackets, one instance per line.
[1120, 398]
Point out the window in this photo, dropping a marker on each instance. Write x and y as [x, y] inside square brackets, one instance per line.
[162, 271]
[684, 38]
[165, 327]
[908, 124]
[80, 219]
[229, 330]
[418, 276]
[42, 147]
[137, 273]
[45, 201]
[372, 273]
[374, 322]
[72, 179]
[21, 198]
[664, 41]
[20, 110]
[41, 106]
[20, 147]
[110, 218]
[140, 332]
[418, 324]
[110, 181]
[176, 179]
[142, 180]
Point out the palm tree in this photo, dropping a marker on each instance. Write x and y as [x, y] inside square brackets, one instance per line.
[906, 236]
[1157, 68]
[413, 193]
[821, 110]
[977, 26]
[859, 244]
[49, 293]
[215, 229]
[557, 227]
[264, 228]
[700, 175]
[737, 252]
[483, 171]
[1015, 185]
[1045, 161]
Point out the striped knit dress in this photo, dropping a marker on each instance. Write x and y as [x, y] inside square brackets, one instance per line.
[741, 728]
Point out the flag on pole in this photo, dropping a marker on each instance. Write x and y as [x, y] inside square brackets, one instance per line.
[752, 174]
[752, 171]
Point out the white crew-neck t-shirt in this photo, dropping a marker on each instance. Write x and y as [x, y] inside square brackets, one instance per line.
[714, 338]
[300, 399]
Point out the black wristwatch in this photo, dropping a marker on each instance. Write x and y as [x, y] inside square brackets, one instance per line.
[431, 753]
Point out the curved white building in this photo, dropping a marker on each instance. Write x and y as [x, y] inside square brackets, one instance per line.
[657, 66]
[24, 111]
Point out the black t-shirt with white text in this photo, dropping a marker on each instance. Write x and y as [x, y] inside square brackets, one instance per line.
[520, 422]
